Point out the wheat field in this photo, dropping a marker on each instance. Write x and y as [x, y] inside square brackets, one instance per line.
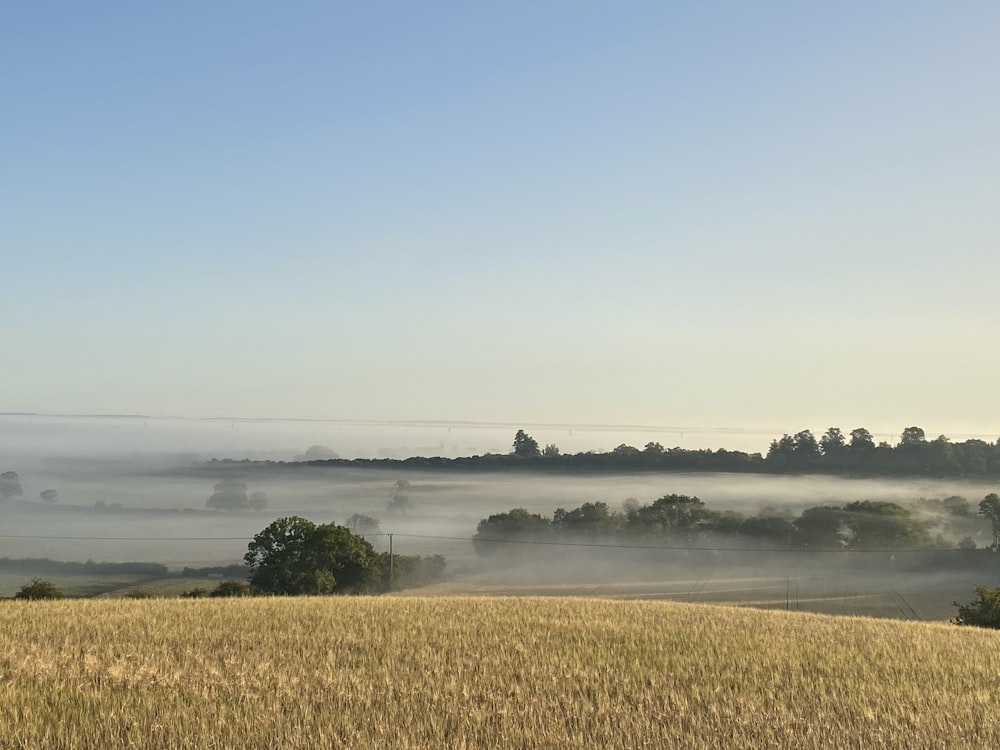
[395, 672]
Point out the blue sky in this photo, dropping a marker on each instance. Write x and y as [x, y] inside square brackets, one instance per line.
[738, 214]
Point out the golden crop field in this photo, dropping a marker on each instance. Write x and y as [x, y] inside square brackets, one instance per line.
[393, 672]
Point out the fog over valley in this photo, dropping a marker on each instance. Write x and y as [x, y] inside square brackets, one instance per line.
[135, 489]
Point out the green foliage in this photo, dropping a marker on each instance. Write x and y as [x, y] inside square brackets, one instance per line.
[38, 589]
[517, 524]
[590, 519]
[231, 588]
[676, 516]
[880, 525]
[294, 556]
[983, 612]
[683, 519]
[409, 571]
[822, 527]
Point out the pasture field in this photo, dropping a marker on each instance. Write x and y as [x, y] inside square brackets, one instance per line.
[490, 672]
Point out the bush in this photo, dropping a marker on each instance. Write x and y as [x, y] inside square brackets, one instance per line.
[984, 612]
[199, 593]
[39, 588]
[231, 588]
[138, 594]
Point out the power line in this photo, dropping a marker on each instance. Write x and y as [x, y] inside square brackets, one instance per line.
[542, 542]
[130, 538]
[534, 542]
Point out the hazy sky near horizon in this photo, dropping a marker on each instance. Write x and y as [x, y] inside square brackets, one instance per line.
[778, 214]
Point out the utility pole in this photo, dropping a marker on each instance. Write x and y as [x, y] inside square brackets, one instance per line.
[390, 562]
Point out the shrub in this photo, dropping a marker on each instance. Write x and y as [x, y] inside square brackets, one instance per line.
[231, 588]
[984, 612]
[39, 588]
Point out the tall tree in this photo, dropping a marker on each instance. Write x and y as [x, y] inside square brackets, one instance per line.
[989, 506]
[832, 442]
[861, 439]
[912, 436]
[526, 446]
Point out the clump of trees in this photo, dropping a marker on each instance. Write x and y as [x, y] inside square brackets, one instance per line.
[294, 556]
[686, 520]
[231, 494]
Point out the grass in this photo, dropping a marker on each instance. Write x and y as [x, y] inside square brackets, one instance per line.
[484, 672]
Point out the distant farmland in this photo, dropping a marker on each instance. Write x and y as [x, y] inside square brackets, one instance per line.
[485, 672]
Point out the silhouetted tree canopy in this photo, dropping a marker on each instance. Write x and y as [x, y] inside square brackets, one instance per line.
[525, 446]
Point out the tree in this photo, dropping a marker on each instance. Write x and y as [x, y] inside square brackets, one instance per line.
[551, 451]
[989, 506]
[590, 519]
[875, 524]
[400, 502]
[294, 556]
[781, 451]
[518, 524]
[39, 588]
[912, 436]
[984, 612]
[257, 501]
[861, 440]
[525, 446]
[49, 496]
[823, 526]
[10, 485]
[361, 524]
[832, 442]
[671, 515]
[230, 494]
[806, 446]
[317, 453]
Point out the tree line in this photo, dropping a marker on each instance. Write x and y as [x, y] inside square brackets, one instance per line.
[687, 521]
[834, 452]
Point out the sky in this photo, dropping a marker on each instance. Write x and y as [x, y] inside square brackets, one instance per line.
[779, 215]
